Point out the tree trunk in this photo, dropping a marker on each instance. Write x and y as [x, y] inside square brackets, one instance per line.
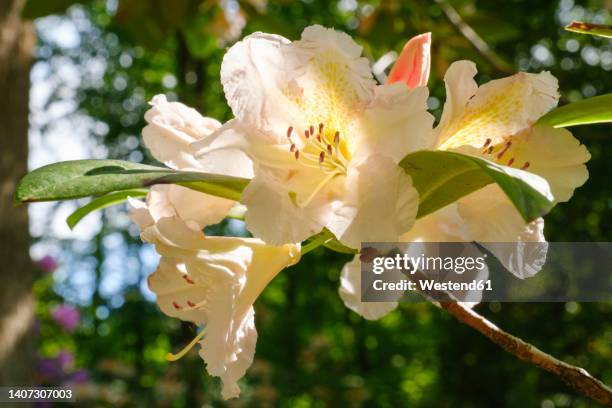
[16, 273]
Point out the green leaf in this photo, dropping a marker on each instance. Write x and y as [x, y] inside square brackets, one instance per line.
[600, 30]
[84, 178]
[587, 111]
[443, 177]
[104, 201]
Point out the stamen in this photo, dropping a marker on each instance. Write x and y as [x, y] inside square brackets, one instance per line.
[504, 150]
[311, 130]
[319, 138]
[190, 303]
[297, 154]
[487, 143]
[490, 150]
[336, 141]
[320, 128]
[188, 279]
[525, 166]
[329, 149]
[306, 134]
[292, 148]
[176, 305]
[321, 157]
[185, 350]
[510, 161]
[289, 131]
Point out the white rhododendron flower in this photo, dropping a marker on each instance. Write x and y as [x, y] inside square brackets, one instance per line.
[325, 140]
[496, 122]
[171, 129]
[210, 281]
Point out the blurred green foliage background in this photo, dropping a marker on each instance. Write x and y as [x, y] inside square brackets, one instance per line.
[97, 66]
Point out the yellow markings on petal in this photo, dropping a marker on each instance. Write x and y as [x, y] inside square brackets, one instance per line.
[493, 117]
[326, 97]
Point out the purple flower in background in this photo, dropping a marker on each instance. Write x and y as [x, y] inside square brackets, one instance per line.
[47, 263]
[78, 377]
[55, 368]
[66, 316]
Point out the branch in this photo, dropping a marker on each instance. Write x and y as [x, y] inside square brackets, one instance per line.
[576, 377]
[472, 36]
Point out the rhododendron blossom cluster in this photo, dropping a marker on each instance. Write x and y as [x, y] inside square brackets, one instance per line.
[321, 141]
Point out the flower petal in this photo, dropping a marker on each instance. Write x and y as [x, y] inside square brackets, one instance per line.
[171, 128]
[413, 64]
[253, 74]
[224, 151]
[528, 256]
[499, 109]
[350, 293]
[460, 87]
[395, 123]
[215, 281]
[555, 155]
[275, 217]
[196, 209]
[444, 225]
[379, 204]
[491, 218]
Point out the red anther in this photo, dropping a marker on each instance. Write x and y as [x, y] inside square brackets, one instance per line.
[511, 161]
[321, 157]
[176, 305]
[320, 128]
[504, 150]
[289, 130]
[525, 166]
[306, 134]
[487, 142]
[329, 149]
[292, 148]
[318, 138]
[311, 130]
[190, 303]
[297, 154]
[490, 150]
[188, 279]
[337, 138]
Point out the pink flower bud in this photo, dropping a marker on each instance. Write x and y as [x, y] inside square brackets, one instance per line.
[412, 66]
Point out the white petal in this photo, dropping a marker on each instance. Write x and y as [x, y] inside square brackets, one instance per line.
[224, 151]
[215, 281]
[460, 87]
[500, 109]
[171, 128]
[350, 292]
[330, 59]
[379, 204]
[277, 219]
[491, 217]
[555, 155]
[253, 74]
[194, 208]
[528, 256]
[443, 225]
[396, 122]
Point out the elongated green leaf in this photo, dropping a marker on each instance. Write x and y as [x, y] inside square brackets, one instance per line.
[104, 201]
[443, 177]
[600, 30]
[587, 111]
[84, 178]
